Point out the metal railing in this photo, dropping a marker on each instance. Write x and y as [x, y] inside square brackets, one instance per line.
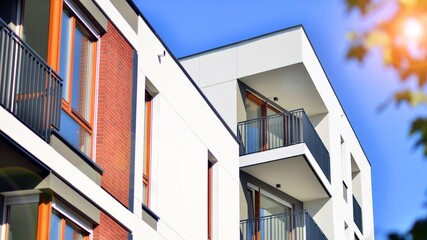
[298, 225]
[357, 214]
[280, 130]
[29, 88]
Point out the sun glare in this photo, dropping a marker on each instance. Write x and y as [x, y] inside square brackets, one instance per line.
[413, 29]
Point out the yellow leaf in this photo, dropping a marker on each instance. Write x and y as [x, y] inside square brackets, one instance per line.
[388, 57]
[418, 98]
[352, 36]
[408, 3]
[376, 38]
[413, 98]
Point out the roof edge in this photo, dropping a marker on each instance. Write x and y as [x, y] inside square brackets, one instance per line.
[335, 93]
[138, 11]
[299, 26]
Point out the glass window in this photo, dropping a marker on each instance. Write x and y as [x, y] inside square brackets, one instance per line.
[76, 68]
[82, 74]
[55, 226]
[22, 221]
[74, 133]
[64, 229]
[253, 109]
[147, 154]
[35, 25]
[269, 206]
[65, 51]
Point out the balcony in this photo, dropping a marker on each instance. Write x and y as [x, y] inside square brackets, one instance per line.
[357, 214]
[29, 88]
[298, 225]
[282, 130]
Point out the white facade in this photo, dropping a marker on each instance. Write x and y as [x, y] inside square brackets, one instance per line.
[186, 134]
[282, 69]
[182, 146]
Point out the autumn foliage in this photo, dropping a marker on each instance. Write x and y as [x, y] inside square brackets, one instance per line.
[401, 37]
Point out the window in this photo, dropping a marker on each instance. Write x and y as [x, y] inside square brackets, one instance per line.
[147, 148]
[265, 211]
[77, 62]
[63, 228]
[31, 217]
[57, 32]
[256, 107]
[267, 131]
[344, 191]
[30, 20]
[16, 223]
[210, 199]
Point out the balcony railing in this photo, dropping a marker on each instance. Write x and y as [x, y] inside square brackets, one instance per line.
[357, 214]
[298, 225]
[29, 88]
[280, 130]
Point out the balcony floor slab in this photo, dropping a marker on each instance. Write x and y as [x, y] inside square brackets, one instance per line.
[293, 167]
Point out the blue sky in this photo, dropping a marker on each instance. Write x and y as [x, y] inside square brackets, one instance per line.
[398, 170]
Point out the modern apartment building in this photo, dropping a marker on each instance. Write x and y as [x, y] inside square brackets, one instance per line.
[97, 139]
[303, 173]
[104, 135]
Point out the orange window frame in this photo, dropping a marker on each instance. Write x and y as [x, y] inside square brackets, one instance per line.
[44, 213]
[264, 106]
[255, 206]
[63, 223]
[66, 103]
[147, 152]
[210, 199]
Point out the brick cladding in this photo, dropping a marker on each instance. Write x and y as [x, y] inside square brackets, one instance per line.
[114, 124]
[109, 230]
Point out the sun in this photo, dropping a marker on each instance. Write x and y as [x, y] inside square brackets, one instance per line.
[413, 29]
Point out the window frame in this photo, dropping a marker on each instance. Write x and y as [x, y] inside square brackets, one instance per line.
[254, 192]
[52, 204]
[262, 103]
[265, 106]
[64, 217]
[148, 116]
[59, 206]
[77, 23]
[14, 200]
[210, 199]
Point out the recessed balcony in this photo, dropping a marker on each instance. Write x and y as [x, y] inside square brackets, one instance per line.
[283, 130]
[32, 92]
[297, 225]
[29, 88]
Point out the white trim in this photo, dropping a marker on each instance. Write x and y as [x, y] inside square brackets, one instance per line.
[57, 206]
[82, 18]
[253, 187]
[95, 104]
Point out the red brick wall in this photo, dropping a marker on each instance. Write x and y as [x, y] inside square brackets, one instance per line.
[108, 229]
[113, 143]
